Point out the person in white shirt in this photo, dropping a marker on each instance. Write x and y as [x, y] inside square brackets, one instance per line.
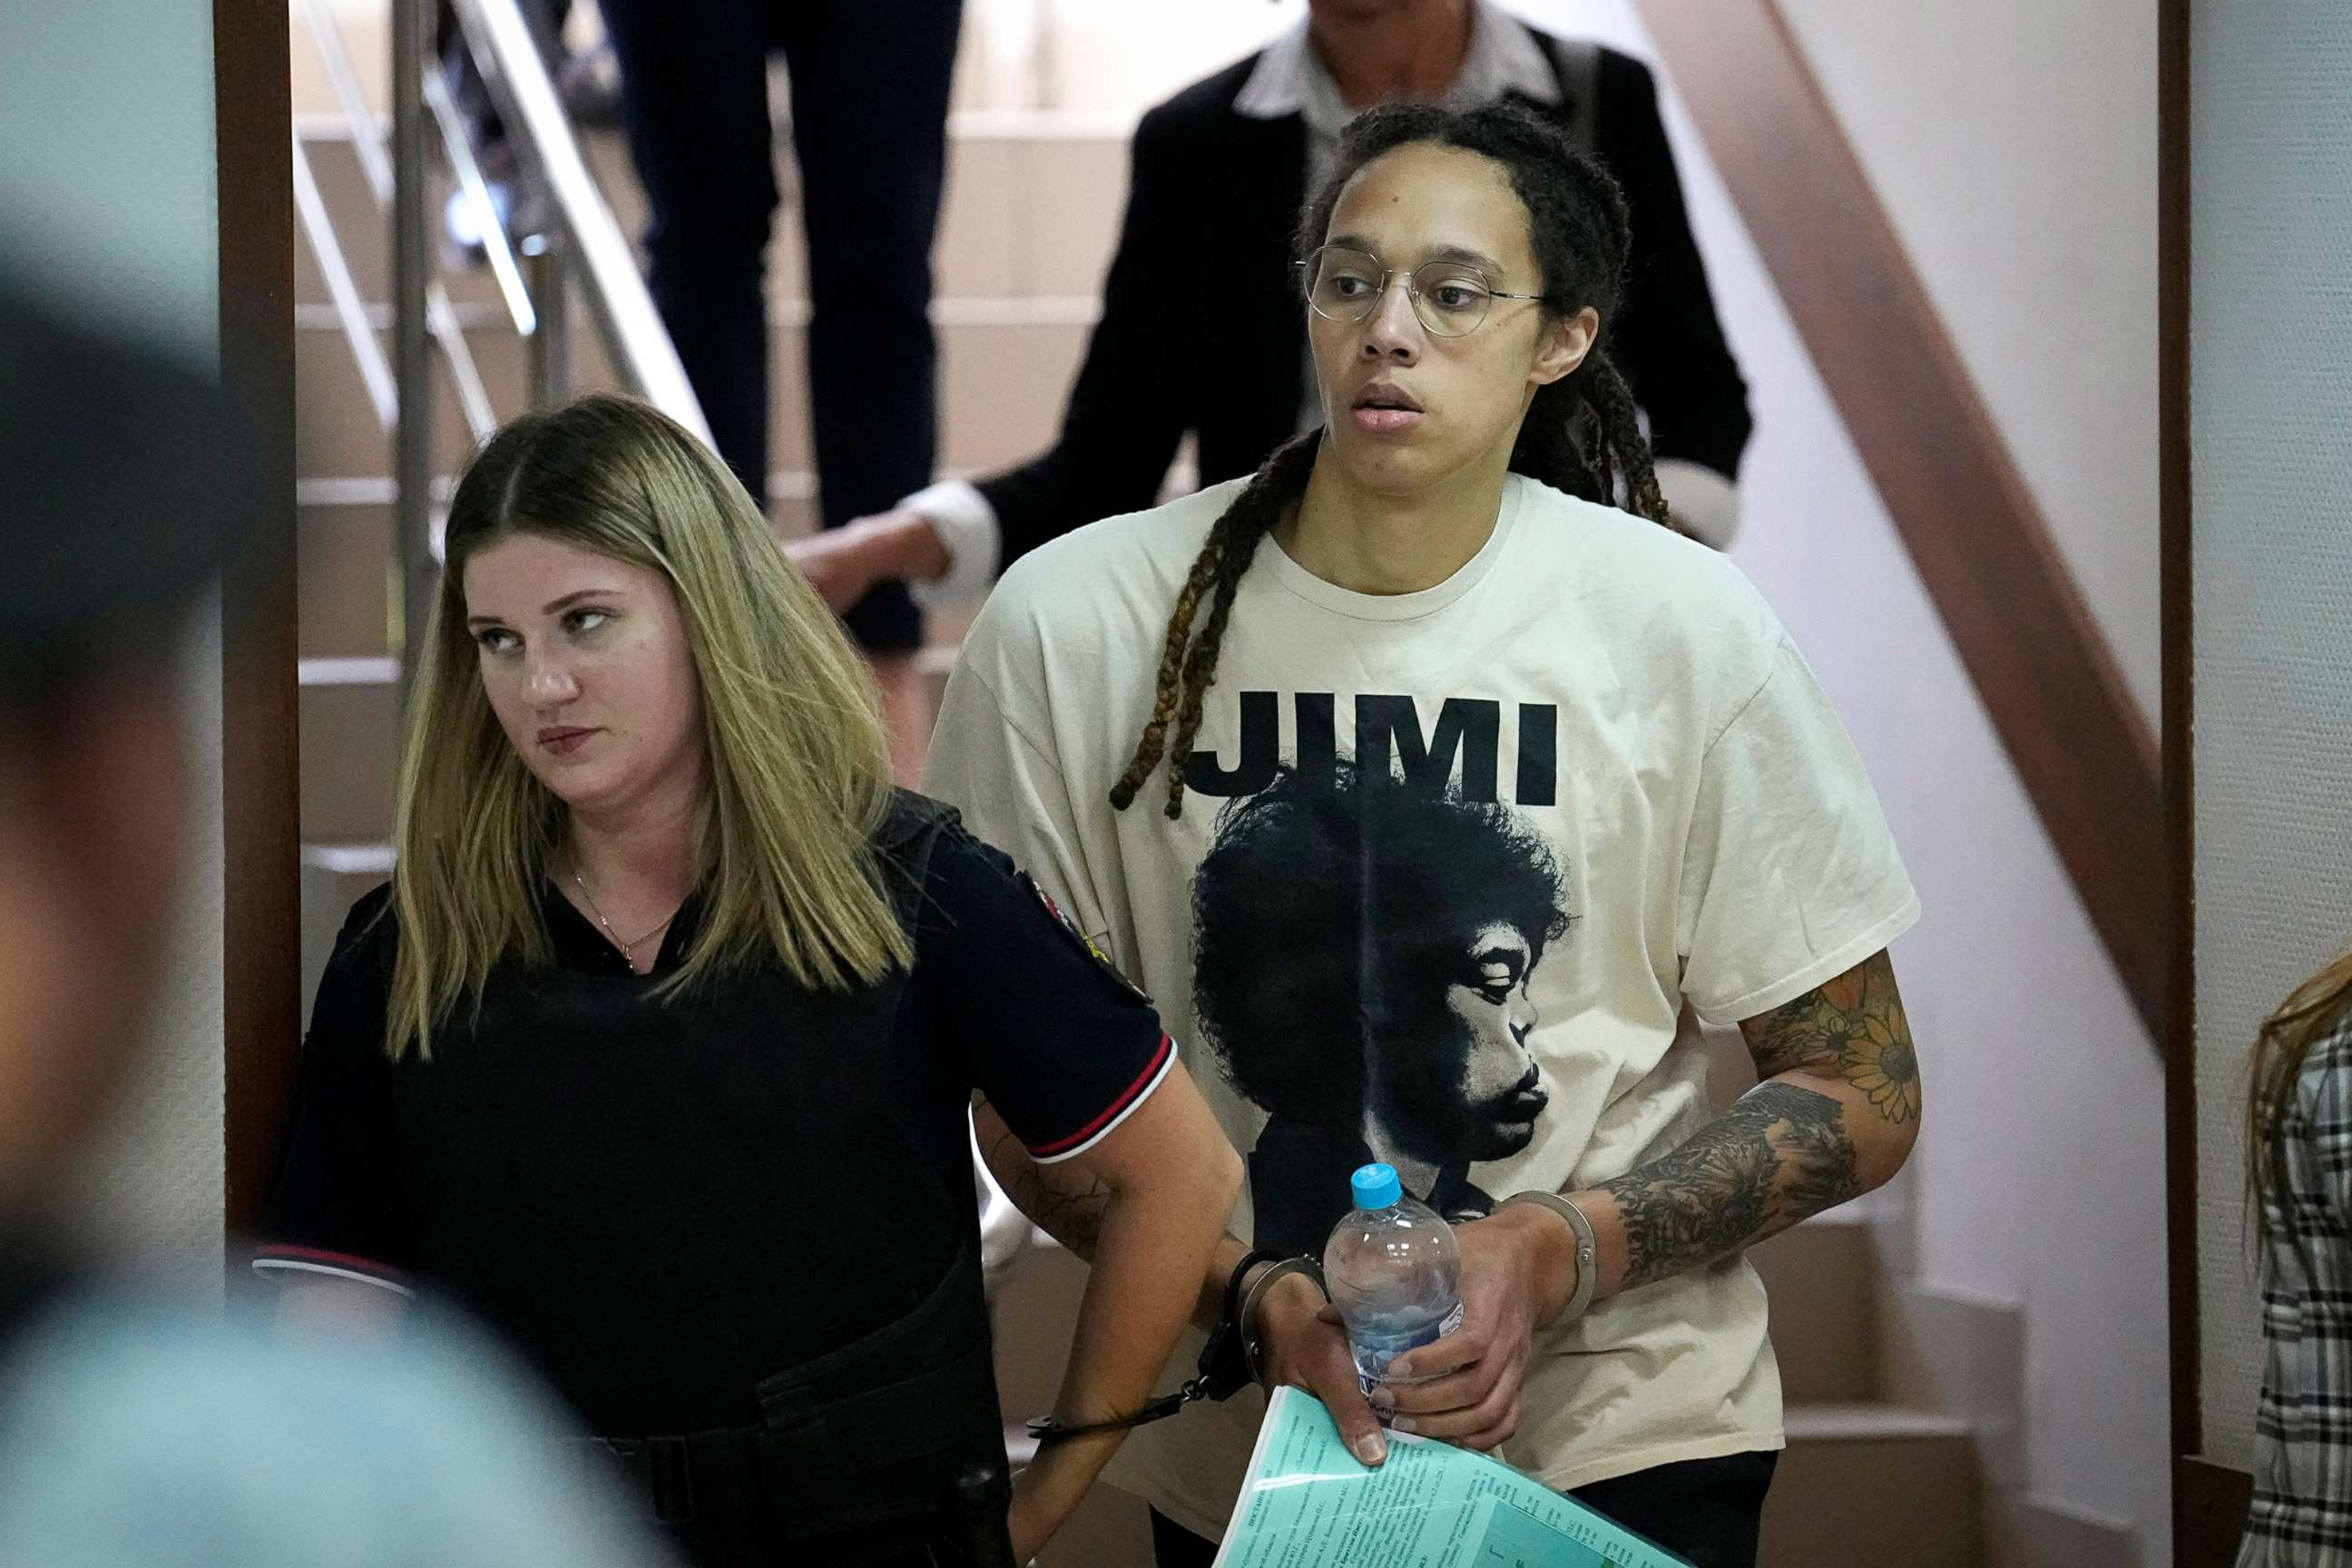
[1221, 169]
[1567, 746]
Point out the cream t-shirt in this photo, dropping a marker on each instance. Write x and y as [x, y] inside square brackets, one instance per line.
[1449, 865]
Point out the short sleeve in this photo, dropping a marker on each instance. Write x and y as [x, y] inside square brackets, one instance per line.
[1062, 1044]
[1790, 876]
[336, 1209]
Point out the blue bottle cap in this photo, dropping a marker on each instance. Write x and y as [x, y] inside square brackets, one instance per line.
[1376, 1187]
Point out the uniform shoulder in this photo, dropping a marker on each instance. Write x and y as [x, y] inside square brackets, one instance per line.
[371, 930]
[907, 816]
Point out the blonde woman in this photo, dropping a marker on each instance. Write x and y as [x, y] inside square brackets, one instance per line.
[2299, 1182]
[658, 1049]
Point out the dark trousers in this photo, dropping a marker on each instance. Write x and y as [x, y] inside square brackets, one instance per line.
[1704, 1511]
[870, 100]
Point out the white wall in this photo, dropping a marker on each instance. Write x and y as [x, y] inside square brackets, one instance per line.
[107, 187]
[2039, 1175]
[2270, 339]
[2013, 143]
[2017, 161]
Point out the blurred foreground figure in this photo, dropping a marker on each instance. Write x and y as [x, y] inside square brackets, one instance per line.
[135, 1430]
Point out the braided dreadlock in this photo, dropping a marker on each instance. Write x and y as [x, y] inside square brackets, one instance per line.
[1184, 675]
[1580, 434]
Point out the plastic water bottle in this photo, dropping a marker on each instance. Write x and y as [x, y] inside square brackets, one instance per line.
[1394, 1272]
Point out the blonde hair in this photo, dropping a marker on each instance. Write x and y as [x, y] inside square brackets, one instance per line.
[794, 747]
[2279, 1053]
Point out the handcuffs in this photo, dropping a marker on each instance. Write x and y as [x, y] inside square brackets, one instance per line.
[1229, 1362]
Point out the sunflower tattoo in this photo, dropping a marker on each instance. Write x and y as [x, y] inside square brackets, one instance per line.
[1785, 1150]
[1877, 1059]
[1854, 1025]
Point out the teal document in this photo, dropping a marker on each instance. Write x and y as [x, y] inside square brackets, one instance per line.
[1309, 1504]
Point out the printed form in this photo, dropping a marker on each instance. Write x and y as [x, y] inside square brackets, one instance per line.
[1309, 1504]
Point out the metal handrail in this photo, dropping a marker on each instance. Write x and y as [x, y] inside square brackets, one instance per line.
[375, 165]
[496, 246]
[411, 278]
[524, 93]
[581, 239]
[358, 331]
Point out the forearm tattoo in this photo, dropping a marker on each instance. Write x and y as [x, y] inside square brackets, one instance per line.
[1070, 1209]
[1782, 1153]
[1777, 1155]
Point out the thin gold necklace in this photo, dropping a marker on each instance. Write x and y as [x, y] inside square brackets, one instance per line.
[628, 949]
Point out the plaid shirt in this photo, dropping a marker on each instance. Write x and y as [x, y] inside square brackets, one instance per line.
[2302, 1514]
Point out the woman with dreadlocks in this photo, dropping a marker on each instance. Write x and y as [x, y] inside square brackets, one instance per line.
[1433, 594]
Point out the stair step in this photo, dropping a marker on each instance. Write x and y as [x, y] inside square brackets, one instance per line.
[1002, 386]
[1022, 215]
[1866, 1485]
[336, 434]
[1854, 1423]
[1822, 1279]
[344, 576]
[993, 78]
[351, 749]
[364, 231]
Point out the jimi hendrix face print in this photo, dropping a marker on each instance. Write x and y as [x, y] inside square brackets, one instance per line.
[1364, 946]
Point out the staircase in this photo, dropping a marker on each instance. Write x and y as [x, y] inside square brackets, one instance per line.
[1027, 225]
[1032, 210]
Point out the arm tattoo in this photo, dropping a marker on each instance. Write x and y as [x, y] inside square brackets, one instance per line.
[1777, 1155]
[1070, 1210]
[1783, 1152]
[1853, 1028]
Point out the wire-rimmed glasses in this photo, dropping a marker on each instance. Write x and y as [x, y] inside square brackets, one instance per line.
[1344, 283]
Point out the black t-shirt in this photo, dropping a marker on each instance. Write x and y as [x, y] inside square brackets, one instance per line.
[663, 1202]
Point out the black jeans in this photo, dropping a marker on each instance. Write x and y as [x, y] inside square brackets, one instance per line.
[869, 102]
[1704, 1511]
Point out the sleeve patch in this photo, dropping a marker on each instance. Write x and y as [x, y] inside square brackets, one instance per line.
[1093, 948]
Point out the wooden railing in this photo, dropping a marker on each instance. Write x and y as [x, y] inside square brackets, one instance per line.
[2039, 661]
[261, 988]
